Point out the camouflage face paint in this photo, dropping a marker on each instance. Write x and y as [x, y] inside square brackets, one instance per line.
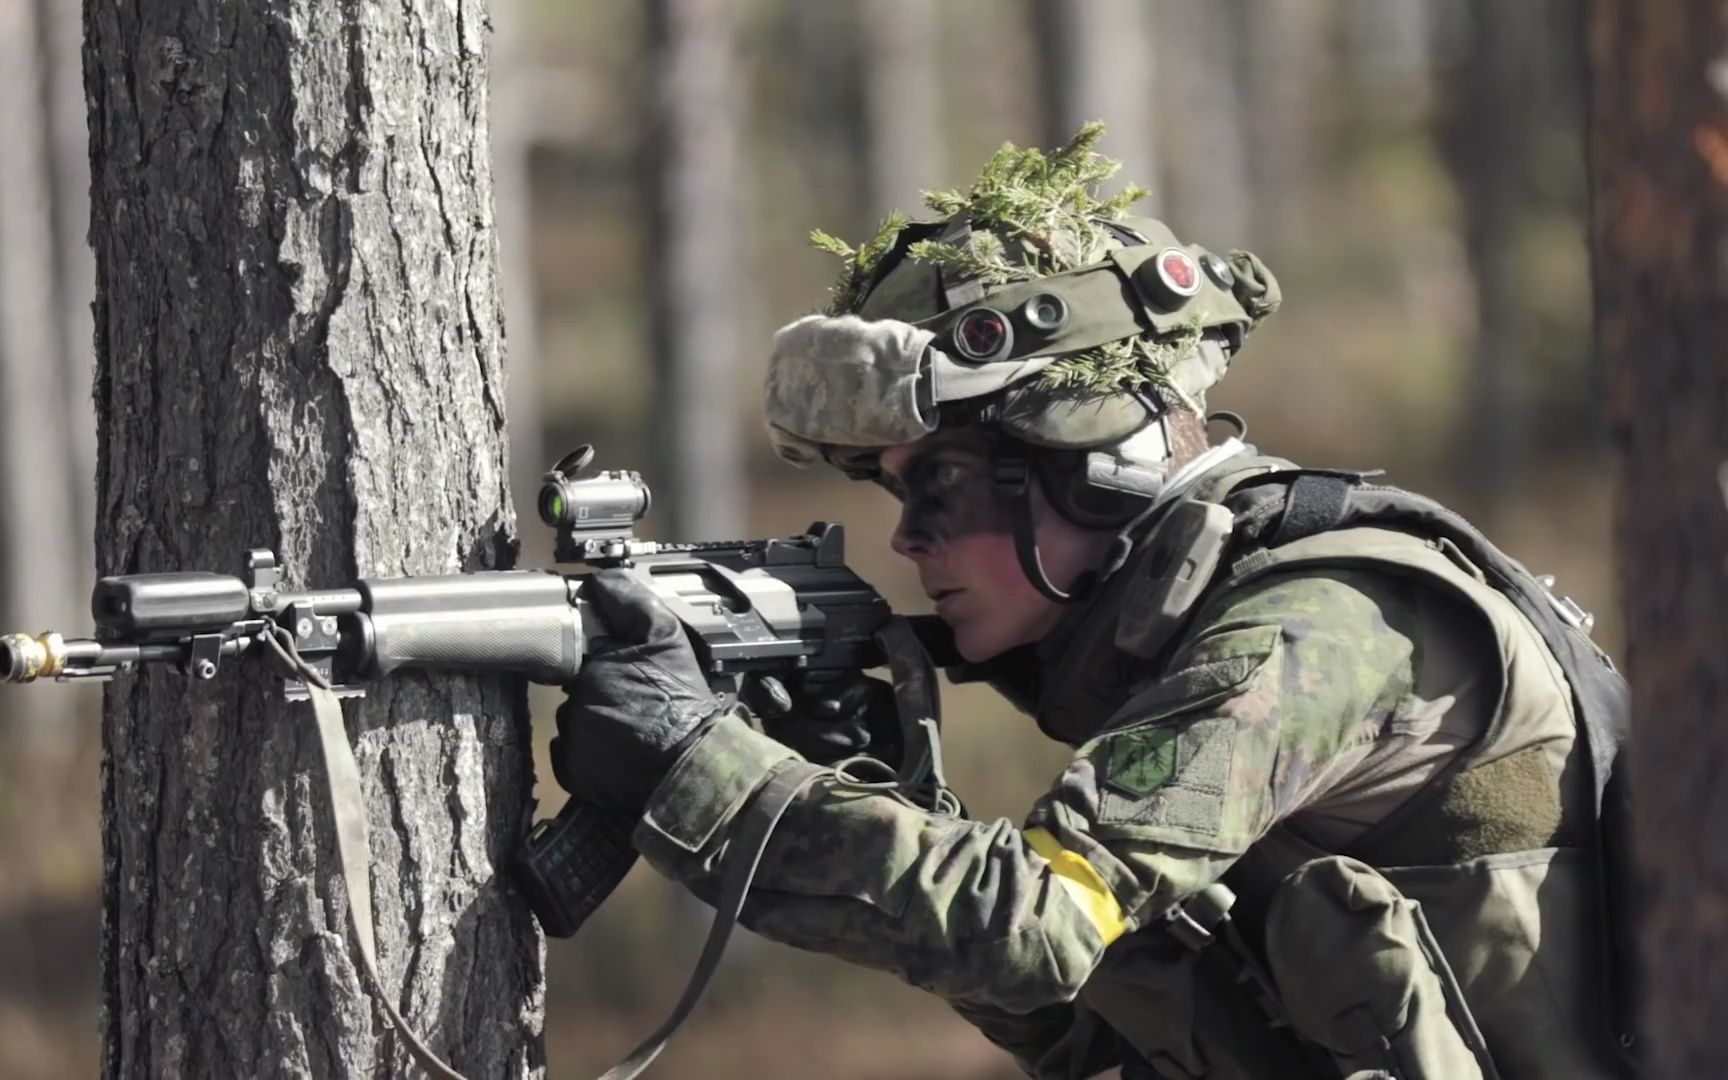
[945, 492]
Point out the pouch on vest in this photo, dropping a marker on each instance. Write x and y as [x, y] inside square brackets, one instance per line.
[1182, 1016]
[1359, 973]
[1180, 561]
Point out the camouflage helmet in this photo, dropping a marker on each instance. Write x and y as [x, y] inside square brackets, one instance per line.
[1031, 306]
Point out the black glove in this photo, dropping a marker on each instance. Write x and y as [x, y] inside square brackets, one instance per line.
[827, 717]
[635, 702]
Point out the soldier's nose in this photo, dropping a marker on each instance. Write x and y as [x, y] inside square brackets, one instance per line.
[908, 540]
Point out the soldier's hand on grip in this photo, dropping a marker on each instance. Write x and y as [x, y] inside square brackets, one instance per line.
[634, 704]
[827, 717]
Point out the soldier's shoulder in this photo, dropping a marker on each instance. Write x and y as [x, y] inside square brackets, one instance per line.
[1344, 602]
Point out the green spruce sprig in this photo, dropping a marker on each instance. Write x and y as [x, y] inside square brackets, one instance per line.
[984, 256]
[847, 292]
[1033, 214]
[1046, 205]
[1117, 365]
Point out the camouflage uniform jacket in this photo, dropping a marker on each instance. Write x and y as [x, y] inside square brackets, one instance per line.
[1313, 701]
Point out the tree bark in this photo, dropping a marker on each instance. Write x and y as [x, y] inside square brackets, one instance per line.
[298, 347]
[1658, 158]
[690, 167]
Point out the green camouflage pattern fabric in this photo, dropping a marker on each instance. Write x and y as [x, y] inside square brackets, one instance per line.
[1273, 685]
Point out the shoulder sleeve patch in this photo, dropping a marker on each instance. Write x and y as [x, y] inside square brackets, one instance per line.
[1143, 762]
[1167, 773]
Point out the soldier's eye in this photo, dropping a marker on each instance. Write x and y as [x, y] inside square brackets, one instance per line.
[951, 474]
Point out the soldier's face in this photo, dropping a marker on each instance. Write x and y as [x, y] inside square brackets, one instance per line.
[957, 530]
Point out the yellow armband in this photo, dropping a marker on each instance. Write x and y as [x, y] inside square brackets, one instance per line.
[1084, 884]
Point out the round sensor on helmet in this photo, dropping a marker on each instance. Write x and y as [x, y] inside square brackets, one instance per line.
[983, 334]
[1045, 311]
[1169, 279]
[1218, 270]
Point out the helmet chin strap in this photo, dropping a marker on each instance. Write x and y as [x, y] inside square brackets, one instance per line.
[1011, 475]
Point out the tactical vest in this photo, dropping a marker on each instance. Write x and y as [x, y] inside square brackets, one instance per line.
[1511, 957]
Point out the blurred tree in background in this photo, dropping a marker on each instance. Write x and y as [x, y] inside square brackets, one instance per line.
[47, 439]
[689, 171]
[1659, 170]
[1341, 139]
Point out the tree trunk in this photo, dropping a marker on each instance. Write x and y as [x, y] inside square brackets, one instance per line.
[1207, 193]
[1659, 224]
[1390, 46]
[1281, 54]
[39, 579]
[827, 109]
[1096, 63]
[1484, 140]
[690, 164]
[512, 144]
[902, 105]
[74, 268]
[298, 347]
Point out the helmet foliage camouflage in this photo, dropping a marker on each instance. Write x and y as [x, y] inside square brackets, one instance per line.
[1032, 304]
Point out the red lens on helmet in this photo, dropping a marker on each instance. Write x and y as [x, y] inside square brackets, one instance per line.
[981, 334]
[1169, 279]
[1179, 272]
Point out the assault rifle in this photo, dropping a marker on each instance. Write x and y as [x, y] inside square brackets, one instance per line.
[776, 607]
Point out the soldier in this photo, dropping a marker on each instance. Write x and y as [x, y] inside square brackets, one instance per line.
[1336, 796]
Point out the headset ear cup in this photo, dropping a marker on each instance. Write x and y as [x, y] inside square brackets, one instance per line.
[1063, 476]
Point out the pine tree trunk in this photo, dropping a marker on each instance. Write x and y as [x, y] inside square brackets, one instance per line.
[1207, 194]
[827, 110]
[1096, 63]
[897, 73]
[298, 347]
[1281, 58]
[1485, 140]
[1659, 174]
[39, 579]
[690, 169]
[513, 139]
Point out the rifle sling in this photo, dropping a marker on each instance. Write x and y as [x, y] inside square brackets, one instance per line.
[915, 692]
[764, 812]
[348, 811]
[916, 699]
[353, 848]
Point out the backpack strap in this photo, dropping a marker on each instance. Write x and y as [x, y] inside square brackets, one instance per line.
[1316, 502]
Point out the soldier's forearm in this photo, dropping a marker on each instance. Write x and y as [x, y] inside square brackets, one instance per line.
[969, 910]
